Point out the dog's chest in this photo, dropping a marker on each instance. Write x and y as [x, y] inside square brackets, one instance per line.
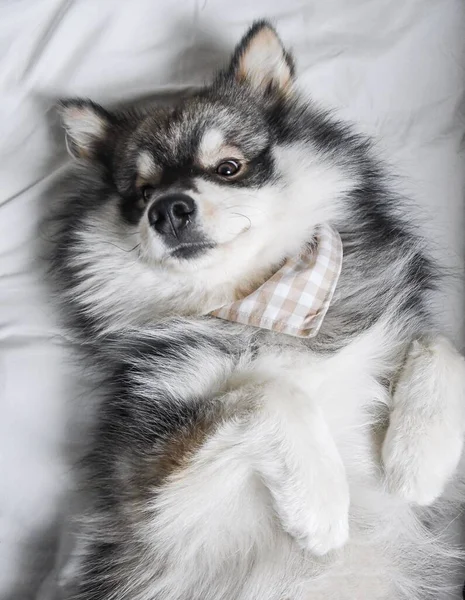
[349, 386]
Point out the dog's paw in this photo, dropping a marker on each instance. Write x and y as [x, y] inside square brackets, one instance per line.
[303, 470]
[328, 530]
[418, 467]
[425, 436]
[321, 524]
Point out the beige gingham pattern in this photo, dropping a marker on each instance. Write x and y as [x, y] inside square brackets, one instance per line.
[295, 299]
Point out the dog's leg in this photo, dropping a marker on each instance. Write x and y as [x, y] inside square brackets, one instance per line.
[425, 435]
[296, 456]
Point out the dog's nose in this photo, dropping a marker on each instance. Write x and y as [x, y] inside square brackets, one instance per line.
[170, 214]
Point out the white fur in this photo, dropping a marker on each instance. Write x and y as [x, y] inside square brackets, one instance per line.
[425, 437]
[301, 468]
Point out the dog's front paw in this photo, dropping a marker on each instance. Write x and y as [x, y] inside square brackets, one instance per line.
[327, 530]
[303, 470]
[419, 466]
[425, 436]
[319, 521]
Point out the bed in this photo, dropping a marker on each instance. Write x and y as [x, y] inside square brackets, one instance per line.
[394, 68]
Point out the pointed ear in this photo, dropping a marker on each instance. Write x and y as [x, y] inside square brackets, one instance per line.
[86, 124]
[261, 61]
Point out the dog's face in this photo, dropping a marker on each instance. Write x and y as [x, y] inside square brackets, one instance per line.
[223, 182]
[192, 178]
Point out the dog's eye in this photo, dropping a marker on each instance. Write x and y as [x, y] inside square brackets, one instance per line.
[146, 192]
[228, 168]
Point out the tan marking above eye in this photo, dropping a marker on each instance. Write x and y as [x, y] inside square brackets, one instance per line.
[148, 172]
[213, 149]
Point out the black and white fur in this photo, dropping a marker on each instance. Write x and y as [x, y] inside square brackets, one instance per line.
[229, 463]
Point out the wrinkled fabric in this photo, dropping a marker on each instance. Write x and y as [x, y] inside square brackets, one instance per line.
[394, 68]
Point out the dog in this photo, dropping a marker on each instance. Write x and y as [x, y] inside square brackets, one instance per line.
[233, 462]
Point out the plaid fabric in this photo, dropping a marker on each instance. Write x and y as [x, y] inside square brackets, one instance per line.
[295, 299]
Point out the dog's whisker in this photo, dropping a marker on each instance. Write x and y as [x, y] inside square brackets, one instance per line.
[123, 235]
[240, 215]
[122, 249]
[248, 206]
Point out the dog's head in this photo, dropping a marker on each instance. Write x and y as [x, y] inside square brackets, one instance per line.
[214, 191]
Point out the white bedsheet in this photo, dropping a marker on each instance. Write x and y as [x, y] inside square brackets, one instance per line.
[396, 68]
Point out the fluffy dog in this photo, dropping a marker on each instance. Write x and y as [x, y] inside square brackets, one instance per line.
[228, 461]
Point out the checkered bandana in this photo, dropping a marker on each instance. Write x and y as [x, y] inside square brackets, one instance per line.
[295, 299]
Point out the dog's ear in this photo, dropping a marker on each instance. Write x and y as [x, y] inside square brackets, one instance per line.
[87, 126]
[261, 61]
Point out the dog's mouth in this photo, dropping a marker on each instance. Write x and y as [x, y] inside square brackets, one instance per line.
[188, 250]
